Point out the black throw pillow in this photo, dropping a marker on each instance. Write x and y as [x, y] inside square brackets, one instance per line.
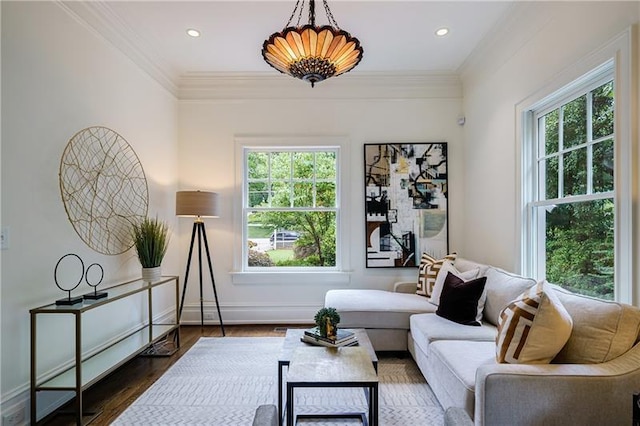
[459, 299]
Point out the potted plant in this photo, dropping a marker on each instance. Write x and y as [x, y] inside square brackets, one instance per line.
[150, 238]
[327, 320]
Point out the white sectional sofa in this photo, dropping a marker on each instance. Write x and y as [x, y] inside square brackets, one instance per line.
[590, 382]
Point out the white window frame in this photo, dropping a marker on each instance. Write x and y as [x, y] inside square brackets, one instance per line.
[610, 62]
[592, 81]
[242, 274]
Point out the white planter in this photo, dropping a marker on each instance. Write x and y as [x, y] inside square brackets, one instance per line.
[151, 274]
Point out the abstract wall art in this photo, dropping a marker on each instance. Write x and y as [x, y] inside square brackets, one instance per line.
[103, 188]
[406, 203]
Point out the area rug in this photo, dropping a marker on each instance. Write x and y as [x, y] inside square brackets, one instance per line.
[222, 380]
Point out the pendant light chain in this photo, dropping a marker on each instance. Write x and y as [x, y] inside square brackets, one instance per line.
[293, 13]
[330, 17]
[300, 13]
[312, 12]
[299, 7]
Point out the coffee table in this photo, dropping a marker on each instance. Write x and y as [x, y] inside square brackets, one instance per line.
[361, 359]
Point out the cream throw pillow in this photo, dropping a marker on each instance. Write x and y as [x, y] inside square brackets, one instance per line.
[533, 328]
[447, 267]
[503, 287]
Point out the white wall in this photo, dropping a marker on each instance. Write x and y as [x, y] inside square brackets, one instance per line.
[58, 77]
[206, 161]
[542, 40]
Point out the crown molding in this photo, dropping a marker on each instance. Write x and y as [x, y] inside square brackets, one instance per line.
[211, 86]
[520, 22]
[98, 17]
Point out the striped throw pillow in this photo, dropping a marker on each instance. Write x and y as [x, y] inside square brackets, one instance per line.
[533, 328]
[428, 271]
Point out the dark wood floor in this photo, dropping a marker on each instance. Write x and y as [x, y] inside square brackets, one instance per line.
[113, 394]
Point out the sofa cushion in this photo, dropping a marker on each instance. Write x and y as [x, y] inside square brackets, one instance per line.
[428, 271]
[452, 370]
[463, 264]
[533, 328]
[360, 308]
[462, 301]
[502, 288]
[602, 330]
[447, 267]
[429, 328]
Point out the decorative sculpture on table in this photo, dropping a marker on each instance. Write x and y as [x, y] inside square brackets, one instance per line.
[68, 300]
[83, 273]
[103, 188]
[327, 320]
[96, 294]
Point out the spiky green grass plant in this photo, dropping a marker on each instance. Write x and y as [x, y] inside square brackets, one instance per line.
[151, 241]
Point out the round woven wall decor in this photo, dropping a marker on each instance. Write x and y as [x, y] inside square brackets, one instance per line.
[103, 188]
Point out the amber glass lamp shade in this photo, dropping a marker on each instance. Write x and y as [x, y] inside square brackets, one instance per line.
[309, 52]
[312, 53]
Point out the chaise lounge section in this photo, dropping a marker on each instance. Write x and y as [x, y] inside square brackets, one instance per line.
[384, 314]
[591, 380]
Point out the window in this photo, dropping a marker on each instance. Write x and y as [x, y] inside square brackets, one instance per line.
[290, 208]
[571, 210]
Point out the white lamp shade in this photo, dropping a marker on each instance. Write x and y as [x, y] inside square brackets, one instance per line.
[197, 203]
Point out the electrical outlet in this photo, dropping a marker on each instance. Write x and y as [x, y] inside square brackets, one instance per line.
[4, 238]
[15, 417]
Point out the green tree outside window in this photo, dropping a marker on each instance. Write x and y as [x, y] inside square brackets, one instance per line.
[578, 161]
[292, 201]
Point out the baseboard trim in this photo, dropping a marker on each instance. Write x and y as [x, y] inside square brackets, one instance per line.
[248, 314]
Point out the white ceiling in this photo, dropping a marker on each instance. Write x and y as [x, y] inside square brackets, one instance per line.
[397, 36]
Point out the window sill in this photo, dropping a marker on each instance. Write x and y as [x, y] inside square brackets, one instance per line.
[297, 277]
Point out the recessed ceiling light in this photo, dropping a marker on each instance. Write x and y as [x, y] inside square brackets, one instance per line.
[440, 32]
[193, 32]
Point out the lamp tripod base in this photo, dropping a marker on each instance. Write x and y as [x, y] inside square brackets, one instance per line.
[198, 227]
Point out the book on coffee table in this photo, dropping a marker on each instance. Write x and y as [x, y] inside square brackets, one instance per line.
[351, 341]
[342, 335]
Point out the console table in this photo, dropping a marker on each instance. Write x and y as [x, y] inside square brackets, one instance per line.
[88, 369]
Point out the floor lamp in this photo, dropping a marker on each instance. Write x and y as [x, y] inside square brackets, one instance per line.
[199, 204]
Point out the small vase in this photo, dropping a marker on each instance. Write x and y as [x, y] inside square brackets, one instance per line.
[151, 274]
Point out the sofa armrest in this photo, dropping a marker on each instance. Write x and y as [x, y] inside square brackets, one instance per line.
[456, 416]
[550, 394]
[266, 415]
[405, 287]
